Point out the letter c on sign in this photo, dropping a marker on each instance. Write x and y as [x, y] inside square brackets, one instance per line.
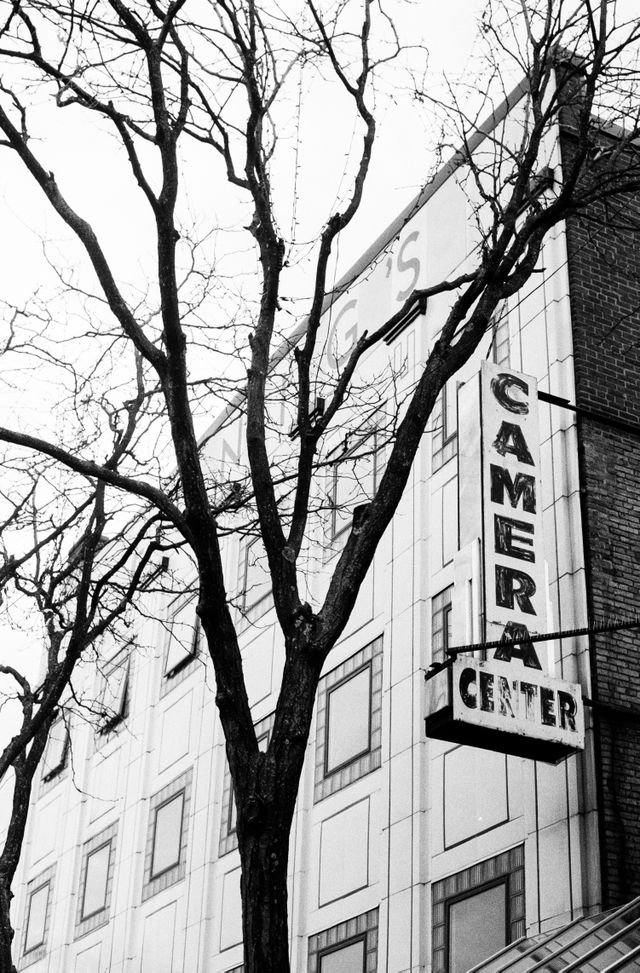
[501, 385]
[468, 689]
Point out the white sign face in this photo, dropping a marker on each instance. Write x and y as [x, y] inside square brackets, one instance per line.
[514, 568]
[516, 700]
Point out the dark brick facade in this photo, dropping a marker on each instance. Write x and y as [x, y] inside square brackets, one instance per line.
[604, 274]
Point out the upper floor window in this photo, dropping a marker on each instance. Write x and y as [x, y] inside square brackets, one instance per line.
[114, 692]
[500, 345]
[96, 881]
[166, 852]
[184, 635]
[354, 477]
[349, 721]
[37, 917]
[54, 759]
[254, 580]
[441, 618]
[444, 425]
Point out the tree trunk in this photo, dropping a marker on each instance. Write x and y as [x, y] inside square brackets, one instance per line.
[11, 855]
[263, 885]
[6, 932]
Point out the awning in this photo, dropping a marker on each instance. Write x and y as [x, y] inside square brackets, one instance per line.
[602, 943]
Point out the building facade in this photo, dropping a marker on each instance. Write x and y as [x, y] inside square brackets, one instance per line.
[407, 854]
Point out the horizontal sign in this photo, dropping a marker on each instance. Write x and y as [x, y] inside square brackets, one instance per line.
[511, 709]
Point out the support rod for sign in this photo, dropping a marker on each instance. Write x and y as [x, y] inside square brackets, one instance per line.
[605, 418]
[593, 629]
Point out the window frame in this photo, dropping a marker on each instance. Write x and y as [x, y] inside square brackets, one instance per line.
[89, 915]
[38, 951]
[363, 927]
[111, 723]
[85, 924]
[28, 949]
[349, 454]
[156, 882]
[444, 441]
[503, 882]
[445, 611]
[178, 796]
[175, 609]
[251, 610]
[507, 868]
[500, 337]
[56, 772]
[360, 938]
[326, 783]
[327, 727]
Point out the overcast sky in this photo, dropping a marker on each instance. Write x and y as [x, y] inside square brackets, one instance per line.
[103, 193]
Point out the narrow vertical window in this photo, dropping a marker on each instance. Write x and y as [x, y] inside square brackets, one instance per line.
[55, 755]
[348, 725]
[441, 619]
[96, 881]
[167, 835]
[37, 916]
[183, 637]
[444, 425]
[114, 694]
[500, 345]
[254, 579]
[349, 721]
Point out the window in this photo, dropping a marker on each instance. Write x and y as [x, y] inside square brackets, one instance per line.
[55, 754]
[96, 880]
[114, 694]
[344, 959]
[37, 916]
[349, 721]
[478, 911]
[166, 852]
[477, 926]
[444, 425]
[167, 835]
[228, 835]
[441, 625]
[183, 637]
[354, 478]
[500, 347]
[351, 947]
[255, 580]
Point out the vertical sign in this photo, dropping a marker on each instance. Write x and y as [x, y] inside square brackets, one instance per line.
[505, 703]
[514, 567]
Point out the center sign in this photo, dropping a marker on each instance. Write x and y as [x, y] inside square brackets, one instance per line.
[508, 702]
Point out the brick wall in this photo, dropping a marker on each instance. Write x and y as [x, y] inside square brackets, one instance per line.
[604, 269]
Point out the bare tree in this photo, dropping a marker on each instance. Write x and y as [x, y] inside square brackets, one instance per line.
[174, 93]
[73, 563]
